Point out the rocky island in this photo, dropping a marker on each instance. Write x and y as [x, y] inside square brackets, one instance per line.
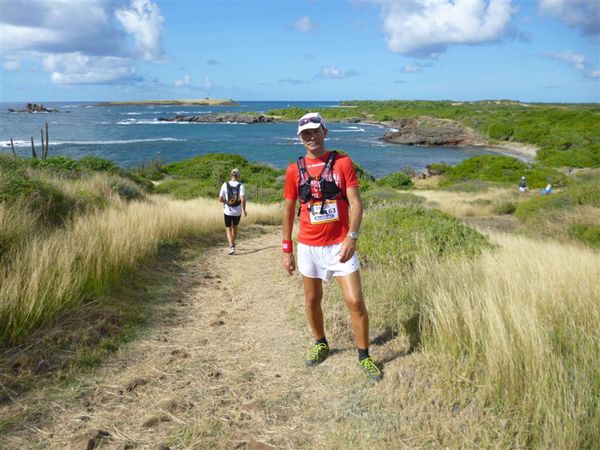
[184, 102]
[221, 118]
[33, 108]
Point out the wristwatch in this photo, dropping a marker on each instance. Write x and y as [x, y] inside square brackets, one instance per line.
[353, 235]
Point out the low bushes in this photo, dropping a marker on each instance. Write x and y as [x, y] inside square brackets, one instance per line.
[503, 170]
[395, 236]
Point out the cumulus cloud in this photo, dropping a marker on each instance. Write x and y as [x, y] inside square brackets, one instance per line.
[208, 83]
[581, 14]
[11, 63]
[412, 69]
[304, 24]
[77, 68]
[426, 27]
[576, 61]
[82, 42]
[144, 22]
[185, 81]
[334, 72]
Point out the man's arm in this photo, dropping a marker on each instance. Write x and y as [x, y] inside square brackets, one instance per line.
[355, 211]
[288, 225]
[243, 199]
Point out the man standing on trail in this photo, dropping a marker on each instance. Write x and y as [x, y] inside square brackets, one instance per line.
[330, 216]
[233, 197]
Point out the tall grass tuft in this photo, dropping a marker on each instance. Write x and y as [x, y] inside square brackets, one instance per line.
[57, 271]
[524, 319]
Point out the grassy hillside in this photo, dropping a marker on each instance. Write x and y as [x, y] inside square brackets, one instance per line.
[71, 229]
[567, 135]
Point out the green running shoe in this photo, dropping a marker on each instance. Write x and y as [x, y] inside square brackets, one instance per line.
[317, 355]
[371, 369]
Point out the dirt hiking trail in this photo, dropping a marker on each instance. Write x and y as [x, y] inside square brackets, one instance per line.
[223, 367]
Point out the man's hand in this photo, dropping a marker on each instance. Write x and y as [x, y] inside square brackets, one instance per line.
[289, 264]
[245, 213]
[347, 250]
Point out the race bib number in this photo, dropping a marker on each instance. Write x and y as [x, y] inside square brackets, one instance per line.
[330, 212]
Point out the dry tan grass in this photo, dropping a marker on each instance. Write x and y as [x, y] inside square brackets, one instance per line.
[53, 272]
[526, 319]
[469, 204]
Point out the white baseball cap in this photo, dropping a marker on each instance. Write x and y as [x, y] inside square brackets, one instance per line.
[310, 121]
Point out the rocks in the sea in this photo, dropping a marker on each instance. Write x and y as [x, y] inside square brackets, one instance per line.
[221, 118]
[33, 108]
[430, 131]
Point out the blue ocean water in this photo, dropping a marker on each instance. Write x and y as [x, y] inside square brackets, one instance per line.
[132, 135]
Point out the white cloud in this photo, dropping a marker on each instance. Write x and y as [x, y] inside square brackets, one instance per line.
[11, 64]
[576, 61]
[144, 22]
[582, 14]
[426, 27]
[412, 69]
[77, 68]
[304, 24]
[82, 41]
[208, 83]
[185, 81]
[334, 72]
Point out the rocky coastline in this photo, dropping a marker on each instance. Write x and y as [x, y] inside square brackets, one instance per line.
[431, 131]
[221, 118]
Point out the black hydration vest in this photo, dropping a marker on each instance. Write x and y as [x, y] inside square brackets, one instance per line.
[233, 195]
[329, 190]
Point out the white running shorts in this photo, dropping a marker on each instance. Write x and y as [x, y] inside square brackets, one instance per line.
[324, 261]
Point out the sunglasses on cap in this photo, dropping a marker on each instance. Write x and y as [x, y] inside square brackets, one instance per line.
[303, 122]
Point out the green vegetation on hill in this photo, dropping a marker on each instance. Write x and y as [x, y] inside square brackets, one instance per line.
[501, 169]
[574, 212]
[567, 135]
[38, 196]
[203, 176]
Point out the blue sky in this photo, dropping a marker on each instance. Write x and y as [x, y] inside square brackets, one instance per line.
[532, 50]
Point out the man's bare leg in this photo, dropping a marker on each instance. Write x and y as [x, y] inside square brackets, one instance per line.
[313, 294]
[352, 293]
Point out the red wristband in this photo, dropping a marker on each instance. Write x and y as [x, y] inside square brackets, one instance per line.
[286, 246]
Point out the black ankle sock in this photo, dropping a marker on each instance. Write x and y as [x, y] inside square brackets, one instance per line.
[323, 340]
[363, 353]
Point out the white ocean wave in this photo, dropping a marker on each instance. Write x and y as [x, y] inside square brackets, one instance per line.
[350, 130]
[20, 143]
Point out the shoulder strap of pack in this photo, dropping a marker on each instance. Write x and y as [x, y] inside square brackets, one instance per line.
[328, 168]
[304, 177]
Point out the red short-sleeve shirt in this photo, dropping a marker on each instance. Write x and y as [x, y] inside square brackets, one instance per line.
[332, 231]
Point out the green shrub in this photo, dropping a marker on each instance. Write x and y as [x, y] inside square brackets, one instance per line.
[501, 131]
[394, 236]
[589, 234]
[60, 163]
[98, 164]
[10, 164]
[153, 170]
[397, 180]
[385, 195]
[44, 201]
[501, 169]
[438, 168]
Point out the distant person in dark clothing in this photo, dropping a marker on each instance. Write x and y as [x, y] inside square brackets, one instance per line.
[523, 185]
